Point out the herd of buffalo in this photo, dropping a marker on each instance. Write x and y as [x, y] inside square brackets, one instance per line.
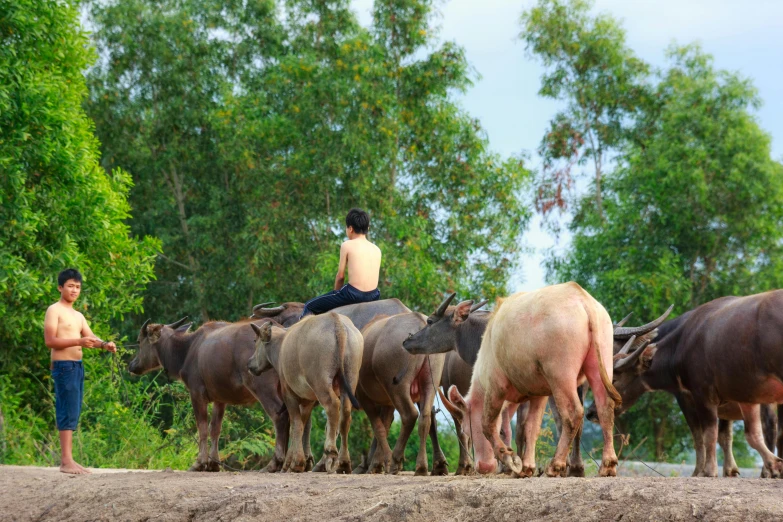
[722, 361]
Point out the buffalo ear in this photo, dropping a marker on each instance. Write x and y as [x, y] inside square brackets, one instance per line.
[457, 400]
[462, 311]
[266, 333]
[184, 328]
[153, 332]
[647, 356]
[256, 329]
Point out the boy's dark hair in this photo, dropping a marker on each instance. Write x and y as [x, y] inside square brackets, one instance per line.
[359, 220]
[68, 273]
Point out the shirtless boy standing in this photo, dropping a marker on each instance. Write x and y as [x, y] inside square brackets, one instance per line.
[363, 261]
[66, 332]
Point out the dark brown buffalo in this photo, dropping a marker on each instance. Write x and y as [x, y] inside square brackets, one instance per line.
[392, 379]
[727, 350]
[212, 363]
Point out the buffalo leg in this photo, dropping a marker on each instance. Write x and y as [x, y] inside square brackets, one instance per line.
[576, 466]
[780, 431]
[200, 412]
[308, 451]
[215, 423]
[708, 417]
[530, 432]
[725, 439]
[408, 415]
[295, 459]
[440, 466]
[490, 427]
[331, 405]
[380, 459]
[264, 389]
[769, 426]
[522, 415]
[344, 458]
[605, 409]
[751, 413]
[697, 432]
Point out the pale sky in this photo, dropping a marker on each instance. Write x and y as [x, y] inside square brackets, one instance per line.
[744, 36]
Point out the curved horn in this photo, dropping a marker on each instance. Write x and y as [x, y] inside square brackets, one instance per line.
[144, 327]
[178, 323]
[627, 347]
[623, 321]
[625, 333]
[269, 312]
[478, 305]
[626, 363]
[445, 304]
[262, 305]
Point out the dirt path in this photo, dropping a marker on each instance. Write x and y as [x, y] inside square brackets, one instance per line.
[45, 494]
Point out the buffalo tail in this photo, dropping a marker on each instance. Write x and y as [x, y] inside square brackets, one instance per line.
[610, 389]
[341, 336]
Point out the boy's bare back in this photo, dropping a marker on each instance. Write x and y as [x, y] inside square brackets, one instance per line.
[363, 261]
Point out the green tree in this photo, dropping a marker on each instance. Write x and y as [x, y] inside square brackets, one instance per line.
[58, 207]
[588, 67]
[694, 211]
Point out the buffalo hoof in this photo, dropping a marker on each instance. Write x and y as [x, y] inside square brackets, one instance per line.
[274, 466]
[198, 466]
[309, 463]
[329, 460]
[396, 467]
[343, 467]
[440, 469]
[775, 468]
[734, 472]
[213, 466]
[421, 471]
[298, 466]
[576, 471]
[466, 469]
[359, 470]
[555, 469]
[321, 466]
[608, 468]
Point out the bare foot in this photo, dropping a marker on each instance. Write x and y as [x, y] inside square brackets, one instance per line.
[73, 468]
[86, 470]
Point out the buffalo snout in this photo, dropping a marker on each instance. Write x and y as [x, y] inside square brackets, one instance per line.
[252, 366]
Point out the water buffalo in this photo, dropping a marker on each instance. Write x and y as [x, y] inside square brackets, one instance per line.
[360, 314]
[537, 344]
[317, 361]
[724, 351]
[459, 330]
[383, 387]
[212, 363]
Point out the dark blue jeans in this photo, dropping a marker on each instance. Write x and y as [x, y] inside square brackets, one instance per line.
[336, 298]
[68, 377]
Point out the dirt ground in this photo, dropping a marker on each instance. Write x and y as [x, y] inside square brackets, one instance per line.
[45, 494]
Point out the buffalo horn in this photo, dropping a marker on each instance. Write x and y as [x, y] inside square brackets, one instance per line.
[623, 321]
[627, 348]
[178, 323]
[445, 304]
[262, 305]
[478, 305]
[268, 312]
[625, 333]
[626, 363]
[144, 327]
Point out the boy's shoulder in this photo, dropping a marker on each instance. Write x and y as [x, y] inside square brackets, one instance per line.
[57, 308]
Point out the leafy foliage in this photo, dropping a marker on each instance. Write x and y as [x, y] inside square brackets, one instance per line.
[58, 207]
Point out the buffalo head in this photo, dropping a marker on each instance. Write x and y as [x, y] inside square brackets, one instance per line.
[147, 357]
[440, 333]
[285, 314]
[268, 340]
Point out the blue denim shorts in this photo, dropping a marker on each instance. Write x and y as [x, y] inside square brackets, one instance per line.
[336, 298]
[68, 377]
